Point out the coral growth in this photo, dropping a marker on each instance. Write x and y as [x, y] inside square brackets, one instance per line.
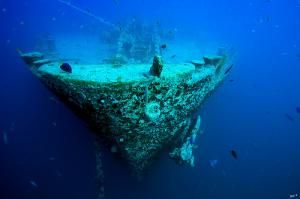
[152, 111]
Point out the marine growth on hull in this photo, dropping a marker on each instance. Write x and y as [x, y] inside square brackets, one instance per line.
[135, 99]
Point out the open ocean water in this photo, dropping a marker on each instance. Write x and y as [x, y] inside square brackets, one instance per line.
[47, 152]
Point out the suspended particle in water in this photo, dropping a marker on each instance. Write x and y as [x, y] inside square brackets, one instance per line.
[114, 149]
[33, 184]
[102, 188]
[53, 99]
[54, 124]
[58, 173]
[51, 158]
[53, 18]
[5, 138]
[22, 23]
[3, 9]
[213, 163]
[294, 196]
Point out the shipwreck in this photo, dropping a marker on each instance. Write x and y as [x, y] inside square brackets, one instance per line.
[140, 109]
[134, 100]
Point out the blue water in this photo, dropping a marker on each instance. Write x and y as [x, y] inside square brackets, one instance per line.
[48, 152]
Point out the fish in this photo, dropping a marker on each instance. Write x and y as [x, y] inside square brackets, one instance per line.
[298, 109]
[66, 67]
[213, 163]
[163, 46]
[228, 69]
[231, 80]
[234, 154]
[289, 117]
[5, 138]
[173, 56]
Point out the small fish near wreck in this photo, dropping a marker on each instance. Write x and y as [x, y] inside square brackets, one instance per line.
[228, 69]
[234, 154]
[66, 67]
[163, 46]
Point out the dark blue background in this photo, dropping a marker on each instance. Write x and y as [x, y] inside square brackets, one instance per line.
[247, 115]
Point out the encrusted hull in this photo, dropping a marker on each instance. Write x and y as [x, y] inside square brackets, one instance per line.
[138, 116]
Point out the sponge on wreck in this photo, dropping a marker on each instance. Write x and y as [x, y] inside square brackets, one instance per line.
[152, 111]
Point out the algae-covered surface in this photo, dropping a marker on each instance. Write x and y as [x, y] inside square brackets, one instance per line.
[107, 73]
